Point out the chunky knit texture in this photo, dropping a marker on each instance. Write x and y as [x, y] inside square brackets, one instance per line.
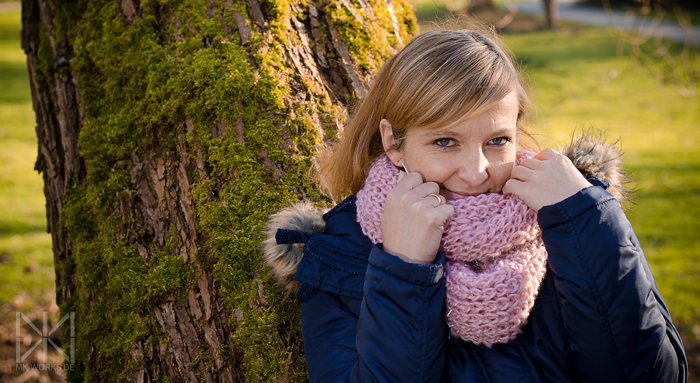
[496, 259]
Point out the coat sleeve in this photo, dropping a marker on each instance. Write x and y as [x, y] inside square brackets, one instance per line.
[618, 326]
[398, 336]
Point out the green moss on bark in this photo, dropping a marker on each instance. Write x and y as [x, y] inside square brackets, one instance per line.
[139, 83]
[116, 288]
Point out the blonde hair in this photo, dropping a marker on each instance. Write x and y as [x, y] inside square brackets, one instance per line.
[437, 80]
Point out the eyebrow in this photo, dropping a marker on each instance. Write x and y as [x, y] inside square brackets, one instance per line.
[454, 133]
[442, 133]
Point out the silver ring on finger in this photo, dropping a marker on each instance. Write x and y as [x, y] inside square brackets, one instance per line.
[438, 198]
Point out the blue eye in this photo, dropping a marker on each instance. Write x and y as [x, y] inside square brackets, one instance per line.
[445, 142]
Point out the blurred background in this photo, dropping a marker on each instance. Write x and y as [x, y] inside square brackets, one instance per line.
[628, 67]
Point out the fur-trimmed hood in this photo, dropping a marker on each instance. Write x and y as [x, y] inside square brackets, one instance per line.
[591, 155]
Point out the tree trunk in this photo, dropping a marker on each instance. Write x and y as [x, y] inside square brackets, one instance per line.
[475, 4]
[168, 131]
[552, 13]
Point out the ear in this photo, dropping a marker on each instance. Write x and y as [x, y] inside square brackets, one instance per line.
[389, 142]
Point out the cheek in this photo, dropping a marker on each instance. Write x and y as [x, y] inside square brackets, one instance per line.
[440, 174]
[433, 168]
[500, 172]
[433, 174]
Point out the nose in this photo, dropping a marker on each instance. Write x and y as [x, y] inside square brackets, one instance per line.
[474, 169]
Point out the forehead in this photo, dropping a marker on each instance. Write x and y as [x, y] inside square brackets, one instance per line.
[500, 117]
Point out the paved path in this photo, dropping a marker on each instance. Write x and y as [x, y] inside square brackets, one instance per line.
[10, 7]
[570, 10]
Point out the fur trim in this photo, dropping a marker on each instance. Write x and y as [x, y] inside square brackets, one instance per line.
[594, 157]
[284, 259]
[590, 153]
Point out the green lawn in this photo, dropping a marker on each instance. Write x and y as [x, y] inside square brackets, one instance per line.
[578, 81]
[26, 260]
[570, 72]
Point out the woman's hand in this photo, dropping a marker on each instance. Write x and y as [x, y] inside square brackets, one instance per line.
[413, 223]
[546, 179]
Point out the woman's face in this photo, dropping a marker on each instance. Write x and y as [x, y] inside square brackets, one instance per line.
[473, 157]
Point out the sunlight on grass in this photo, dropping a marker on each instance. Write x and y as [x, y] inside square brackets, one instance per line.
[28, 268]
[579, 82]
[21, 188]
[27, 277]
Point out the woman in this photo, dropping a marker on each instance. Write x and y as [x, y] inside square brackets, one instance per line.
[457, 257]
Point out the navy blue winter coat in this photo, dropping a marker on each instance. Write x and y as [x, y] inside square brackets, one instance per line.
[368, 316]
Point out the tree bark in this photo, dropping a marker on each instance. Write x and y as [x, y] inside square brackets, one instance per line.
[168, 131]
[474, 4]
[552, 13]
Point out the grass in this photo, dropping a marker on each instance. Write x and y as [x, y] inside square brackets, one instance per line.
[570, 73]
[578, 80]
[692, 16]
[26, 259]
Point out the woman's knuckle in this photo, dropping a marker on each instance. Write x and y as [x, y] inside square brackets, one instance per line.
[449, 210]
[392, 196]
[404, 198]
[416, 209]
[432, 185]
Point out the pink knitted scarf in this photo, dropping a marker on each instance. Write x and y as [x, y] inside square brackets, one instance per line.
[495, 257]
